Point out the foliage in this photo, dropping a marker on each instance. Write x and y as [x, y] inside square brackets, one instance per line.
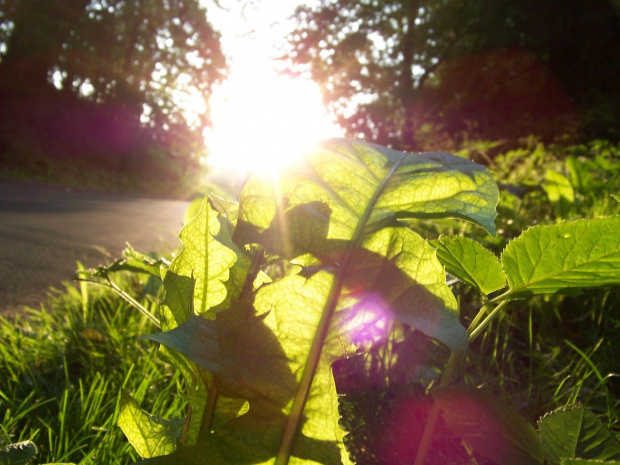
[268, 297]
[400, 72]
[101, 83]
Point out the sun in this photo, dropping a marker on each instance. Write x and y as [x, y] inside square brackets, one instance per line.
[262, 122]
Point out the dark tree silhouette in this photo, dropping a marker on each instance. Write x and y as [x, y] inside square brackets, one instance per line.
[396, 71]
[103, 79]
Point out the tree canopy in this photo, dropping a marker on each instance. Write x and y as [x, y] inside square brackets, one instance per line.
[107, 76]
[396, 71]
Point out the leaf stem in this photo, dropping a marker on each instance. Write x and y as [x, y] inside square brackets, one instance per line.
[130, 300]
[476, 321]
[207, 418]
[433, 416]
[474, 330]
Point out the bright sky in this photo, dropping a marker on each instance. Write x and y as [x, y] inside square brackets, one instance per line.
[260, 120]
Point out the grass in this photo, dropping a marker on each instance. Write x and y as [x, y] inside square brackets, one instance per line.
[62, 368]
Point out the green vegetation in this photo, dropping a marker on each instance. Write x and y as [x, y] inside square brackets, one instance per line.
[62, 370]
[327, 297]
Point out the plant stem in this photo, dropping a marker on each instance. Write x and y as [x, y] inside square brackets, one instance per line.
[207, 418]
[130, 300]
[433, 416]
[479, 316]
[473, 331]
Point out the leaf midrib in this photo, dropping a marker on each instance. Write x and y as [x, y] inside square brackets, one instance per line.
[301, 396]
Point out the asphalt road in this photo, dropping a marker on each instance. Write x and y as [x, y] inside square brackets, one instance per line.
[44, 230]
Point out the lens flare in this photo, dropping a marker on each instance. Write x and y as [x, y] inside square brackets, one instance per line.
[367, 321]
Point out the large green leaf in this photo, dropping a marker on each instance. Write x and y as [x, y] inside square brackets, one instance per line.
[339, 210]
[149, 435]
[329, 206]
[256, 351]
[346, 185]
[577, 434]
[492, 427]
[564, 257]
[468, 261]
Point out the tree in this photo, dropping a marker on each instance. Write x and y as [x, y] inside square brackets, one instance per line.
[117, 69]
[390, 69]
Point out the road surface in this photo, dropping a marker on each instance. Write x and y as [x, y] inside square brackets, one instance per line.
[44, 230]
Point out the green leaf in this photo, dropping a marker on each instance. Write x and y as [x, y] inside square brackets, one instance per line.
[489, 425]
[468, 261]
[346, 185]
[395, 274]
[576, 434]
[275, 331]
[338, 215]
[149, 435]
[20, 453]
[580, 177]
[560, 193]
[564, 257]
[207, 256]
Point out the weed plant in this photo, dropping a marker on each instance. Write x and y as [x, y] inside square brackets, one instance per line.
[62, 366]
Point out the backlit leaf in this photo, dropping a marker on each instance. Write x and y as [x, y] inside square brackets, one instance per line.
[468, 261]
[346, 184]
[358, 269]
[149, 435]
[564, 257]
[577, 434]
[207, 255]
